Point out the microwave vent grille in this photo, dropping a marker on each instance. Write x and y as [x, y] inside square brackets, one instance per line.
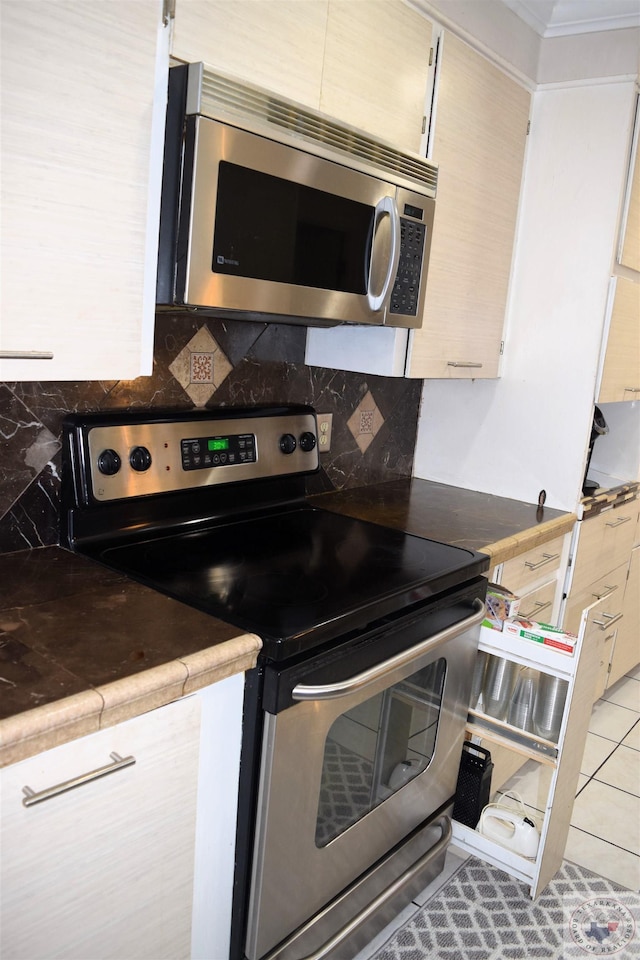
[221, 97]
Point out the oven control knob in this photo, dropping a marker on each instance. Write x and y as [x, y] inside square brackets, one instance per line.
[287, 443]
[109, 462]
[307, 441]
[140, 459]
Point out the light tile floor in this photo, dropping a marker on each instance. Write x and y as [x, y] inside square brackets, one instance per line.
[605, 825]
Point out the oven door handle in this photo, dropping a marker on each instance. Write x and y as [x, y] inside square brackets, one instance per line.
[331, 691]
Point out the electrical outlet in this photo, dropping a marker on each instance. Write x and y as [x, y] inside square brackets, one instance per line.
[325, 423]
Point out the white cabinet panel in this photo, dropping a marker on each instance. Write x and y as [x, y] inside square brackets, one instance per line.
[104, 870]
[82, 98]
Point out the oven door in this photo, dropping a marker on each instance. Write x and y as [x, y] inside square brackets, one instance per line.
[357, 763]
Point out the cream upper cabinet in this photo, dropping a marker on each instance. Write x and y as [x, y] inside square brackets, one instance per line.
[83, 104]
[479, 136]
[621, 371]
[376, 63]
[278, 44]
[629, 255]
[336, 56]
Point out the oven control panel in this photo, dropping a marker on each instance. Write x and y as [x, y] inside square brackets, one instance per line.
[138, 458]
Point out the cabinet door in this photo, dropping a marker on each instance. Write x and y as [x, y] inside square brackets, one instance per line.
[277, 44]
[481, 118]
[626, 652]
[375, 69]
[604, 543]
[621, 371]
[104, 870]
[80, 204]
[630, 252]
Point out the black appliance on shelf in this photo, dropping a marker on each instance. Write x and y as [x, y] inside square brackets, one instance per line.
[598, 428]
[354, 717]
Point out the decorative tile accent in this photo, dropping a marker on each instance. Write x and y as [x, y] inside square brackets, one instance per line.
[200, 367]
[365, 422]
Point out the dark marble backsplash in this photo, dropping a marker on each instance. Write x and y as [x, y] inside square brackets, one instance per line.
[211, 363]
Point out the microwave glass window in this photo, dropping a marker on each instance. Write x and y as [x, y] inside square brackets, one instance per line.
[272, 229]
[373, 749]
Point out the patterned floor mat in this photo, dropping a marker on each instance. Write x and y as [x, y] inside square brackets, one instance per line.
[482, 913]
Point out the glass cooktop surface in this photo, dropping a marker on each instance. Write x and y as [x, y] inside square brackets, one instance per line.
[289, 575]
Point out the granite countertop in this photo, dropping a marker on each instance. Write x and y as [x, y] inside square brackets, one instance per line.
[497, 526]
[83, 648]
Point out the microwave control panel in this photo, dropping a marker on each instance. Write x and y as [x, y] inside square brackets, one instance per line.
[406, 289]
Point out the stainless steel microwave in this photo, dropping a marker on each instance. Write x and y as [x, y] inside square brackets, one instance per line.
[273, 211]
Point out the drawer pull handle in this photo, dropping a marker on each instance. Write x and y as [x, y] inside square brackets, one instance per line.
[632, 389]
[617, 523]
[611, 618]
[462, 363]
[546, 558]
[538, 607]
[119, 763]
[607, 590]
[26, 355]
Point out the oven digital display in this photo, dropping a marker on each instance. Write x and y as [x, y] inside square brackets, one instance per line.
[218, 443]
[200, 453]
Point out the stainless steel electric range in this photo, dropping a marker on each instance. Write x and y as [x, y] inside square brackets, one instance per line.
[354, 717]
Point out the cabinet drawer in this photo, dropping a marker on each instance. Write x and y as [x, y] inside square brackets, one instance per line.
[600, 631]
[604, 543]
[539, 563]
[609, 588]
[538, 604]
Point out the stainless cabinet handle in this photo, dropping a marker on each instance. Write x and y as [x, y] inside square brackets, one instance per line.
[607, 590]
[331, 691]
[611, 618]
[538, 607]
[26, 355]
[617, 523]
[462, 363]
[632, 389]
[119, 763]
[546, 558]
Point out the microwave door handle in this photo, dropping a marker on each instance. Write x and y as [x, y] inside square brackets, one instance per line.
[386, 207]
[331, 691]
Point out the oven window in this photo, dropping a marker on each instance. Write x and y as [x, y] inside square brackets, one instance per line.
[373, 749]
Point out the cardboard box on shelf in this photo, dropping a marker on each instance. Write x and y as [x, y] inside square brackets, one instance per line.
[501, 604]
[542, 633]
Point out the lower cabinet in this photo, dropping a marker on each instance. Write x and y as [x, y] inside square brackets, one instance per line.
[604, 568]
[536, 576]
[626, 651]
[104, 840]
